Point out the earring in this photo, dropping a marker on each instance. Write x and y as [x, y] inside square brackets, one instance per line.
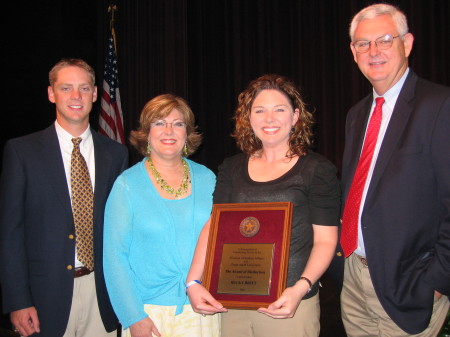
[185, 150]
[149, 149]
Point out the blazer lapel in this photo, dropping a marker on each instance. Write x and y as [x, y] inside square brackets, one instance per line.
[358, 127]
[400, 116]
[103, 162]
[54, 167]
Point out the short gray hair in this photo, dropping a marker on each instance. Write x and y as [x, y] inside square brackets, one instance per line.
[373, 11]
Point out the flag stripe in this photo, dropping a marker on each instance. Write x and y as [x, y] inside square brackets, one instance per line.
[111, 117]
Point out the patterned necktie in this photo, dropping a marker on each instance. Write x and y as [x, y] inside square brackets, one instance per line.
[82, 206]
[349, 237]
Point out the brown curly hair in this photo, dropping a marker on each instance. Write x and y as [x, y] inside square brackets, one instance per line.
[159, 108]
[300, 139]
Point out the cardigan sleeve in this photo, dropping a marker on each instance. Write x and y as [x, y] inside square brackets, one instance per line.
[120, 283]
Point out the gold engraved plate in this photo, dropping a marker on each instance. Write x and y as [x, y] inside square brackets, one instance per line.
[246, 269]
[249, 227]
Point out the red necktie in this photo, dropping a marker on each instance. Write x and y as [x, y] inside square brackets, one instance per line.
[349, 237]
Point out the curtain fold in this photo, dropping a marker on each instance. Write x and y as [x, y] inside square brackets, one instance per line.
[208, 51]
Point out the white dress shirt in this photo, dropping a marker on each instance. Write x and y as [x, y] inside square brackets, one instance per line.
[390, 98]
[86, 149]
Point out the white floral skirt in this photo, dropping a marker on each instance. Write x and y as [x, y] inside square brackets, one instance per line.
[188, 323]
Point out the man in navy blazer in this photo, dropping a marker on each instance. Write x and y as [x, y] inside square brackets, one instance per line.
[397, 274]
[45, 287]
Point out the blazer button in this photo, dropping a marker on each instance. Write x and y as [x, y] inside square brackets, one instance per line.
[71, 236]
[69, 267]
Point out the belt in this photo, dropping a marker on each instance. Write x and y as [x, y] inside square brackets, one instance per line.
[362, 259]
[81, 271]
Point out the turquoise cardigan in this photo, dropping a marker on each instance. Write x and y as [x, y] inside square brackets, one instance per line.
[142, 263]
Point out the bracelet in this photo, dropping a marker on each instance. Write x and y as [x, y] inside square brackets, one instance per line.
[309, 283]
[192, 282]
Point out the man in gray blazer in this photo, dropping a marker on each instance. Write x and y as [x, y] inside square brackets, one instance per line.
[396, 185]
[46, 287]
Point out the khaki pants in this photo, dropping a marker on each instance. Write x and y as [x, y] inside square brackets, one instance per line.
[250, 323]
[84, 319]
[363, 314]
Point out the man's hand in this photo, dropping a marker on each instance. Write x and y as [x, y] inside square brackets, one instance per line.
[26, 321]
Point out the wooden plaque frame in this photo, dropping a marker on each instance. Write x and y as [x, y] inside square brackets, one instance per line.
[275, 221]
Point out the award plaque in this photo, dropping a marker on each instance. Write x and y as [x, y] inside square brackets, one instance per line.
[248, 252]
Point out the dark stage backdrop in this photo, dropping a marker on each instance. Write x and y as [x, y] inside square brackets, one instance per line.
[207, 52]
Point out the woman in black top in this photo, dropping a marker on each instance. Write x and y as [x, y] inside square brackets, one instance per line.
[273, 129]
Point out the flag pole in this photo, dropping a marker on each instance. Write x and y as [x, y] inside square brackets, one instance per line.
[111, 116]
[112, 9]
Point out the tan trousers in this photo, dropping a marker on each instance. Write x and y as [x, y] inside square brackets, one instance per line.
[362, 313]
[84, 319]
[250, 323]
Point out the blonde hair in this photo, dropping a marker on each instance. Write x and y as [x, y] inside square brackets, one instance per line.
[72, 62]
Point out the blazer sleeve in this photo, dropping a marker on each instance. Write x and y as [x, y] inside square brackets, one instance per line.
[13, 257]
[438, 271]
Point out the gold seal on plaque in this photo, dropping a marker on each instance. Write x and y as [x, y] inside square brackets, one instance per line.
[249, 227]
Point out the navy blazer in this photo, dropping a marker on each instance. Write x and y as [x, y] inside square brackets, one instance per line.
[406, 216]
[37, 228]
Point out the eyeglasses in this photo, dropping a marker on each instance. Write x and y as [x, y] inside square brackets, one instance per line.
[382, 43]
[162, 124]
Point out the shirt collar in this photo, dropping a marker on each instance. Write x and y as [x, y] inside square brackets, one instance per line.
[67, 137]
[395, 90]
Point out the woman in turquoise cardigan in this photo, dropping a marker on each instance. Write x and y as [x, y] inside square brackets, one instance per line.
[153, 218]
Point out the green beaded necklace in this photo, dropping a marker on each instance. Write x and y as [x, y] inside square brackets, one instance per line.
[165, 186]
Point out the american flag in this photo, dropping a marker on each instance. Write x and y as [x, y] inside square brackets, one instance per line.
[111, 117]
